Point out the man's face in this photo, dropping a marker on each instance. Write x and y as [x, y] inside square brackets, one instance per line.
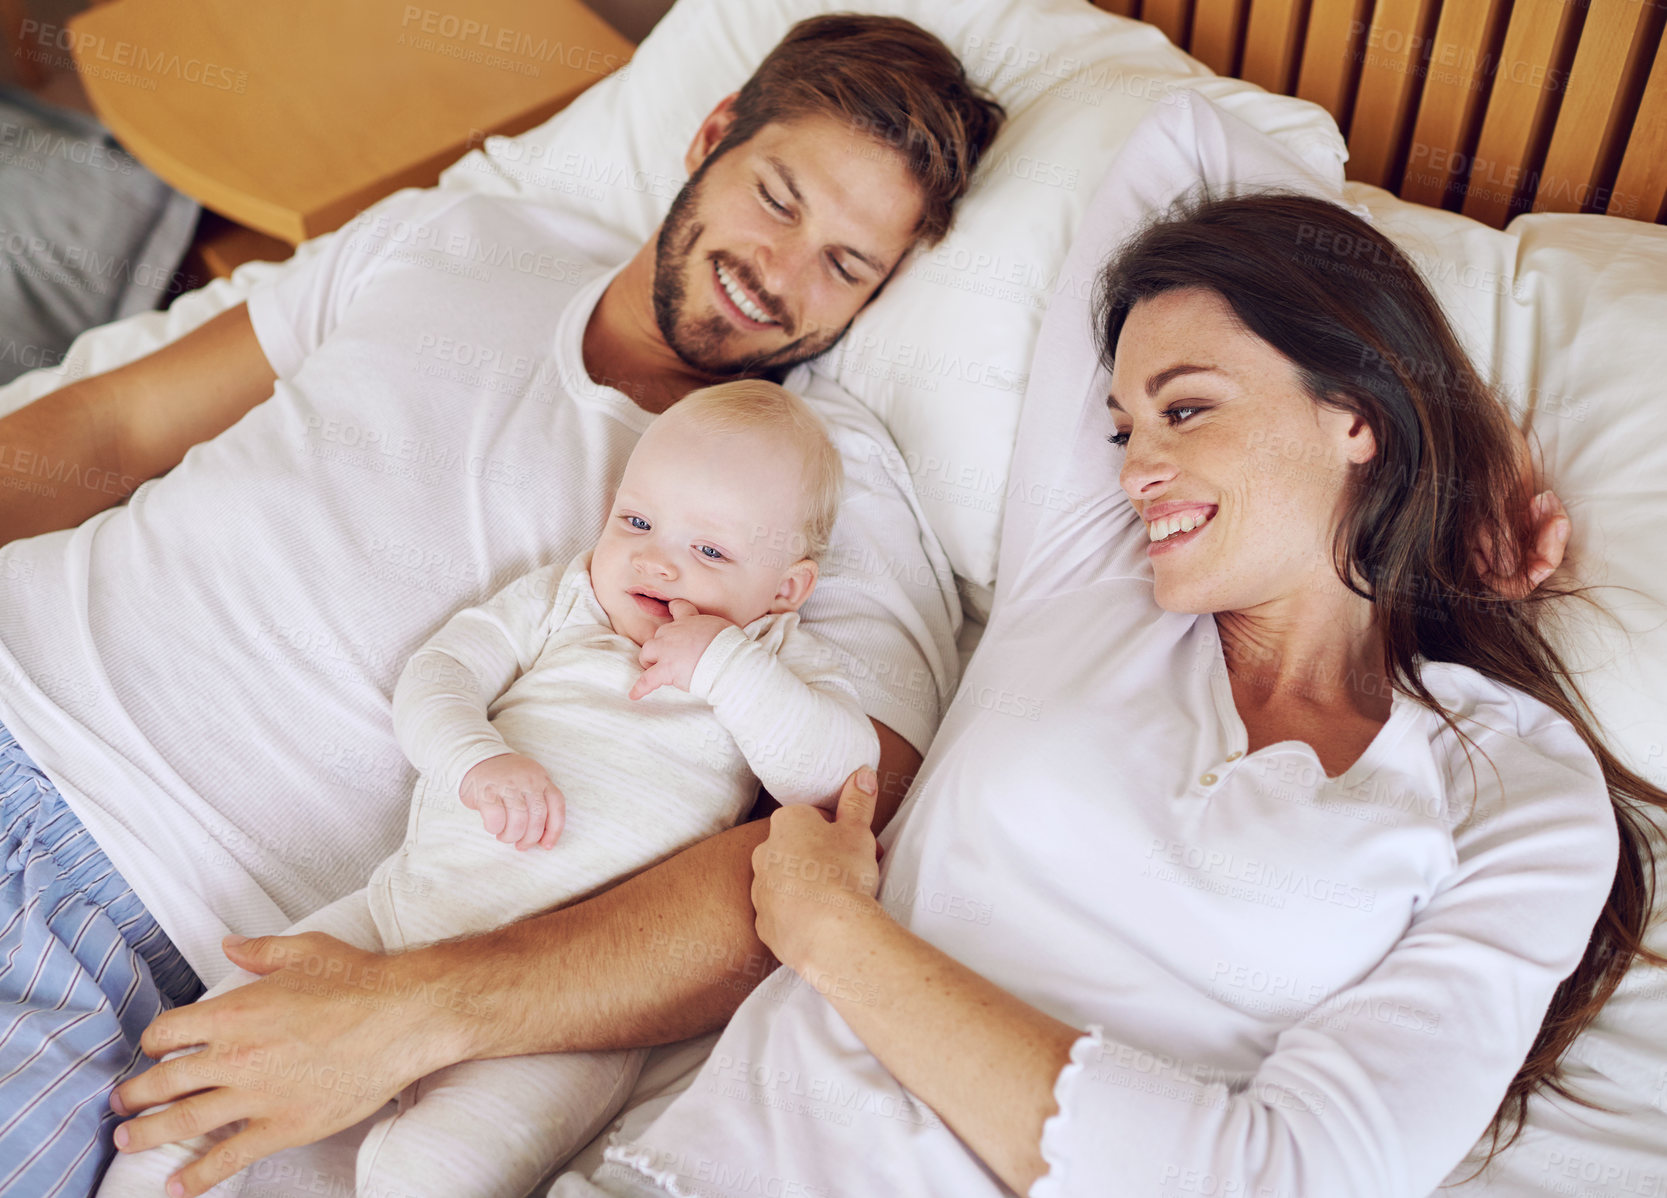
[771, 249]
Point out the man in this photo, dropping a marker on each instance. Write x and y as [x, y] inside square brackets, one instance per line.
[198, 682]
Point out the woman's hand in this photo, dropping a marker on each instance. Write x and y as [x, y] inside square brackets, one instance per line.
[1513, 579]
[913, 1006]
[813, 872]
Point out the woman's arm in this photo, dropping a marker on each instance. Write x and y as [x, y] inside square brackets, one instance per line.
[984, 1061]
[1377, 1092]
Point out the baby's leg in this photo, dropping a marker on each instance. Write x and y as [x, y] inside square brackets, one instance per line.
[146, 1173]
[496, 1128]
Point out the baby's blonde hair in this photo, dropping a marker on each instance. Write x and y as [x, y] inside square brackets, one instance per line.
[746, 405]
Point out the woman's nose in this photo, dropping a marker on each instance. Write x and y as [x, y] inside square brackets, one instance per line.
[1145, 467]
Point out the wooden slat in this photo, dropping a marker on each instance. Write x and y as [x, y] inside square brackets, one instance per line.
[1586, 144]
[1272, 35]
[1217, 32]
[1123, 8]
[1171, 16]
[1389, 86]
[1517, 124]
[1458, 70]
[1328, 69]
[1640, 189]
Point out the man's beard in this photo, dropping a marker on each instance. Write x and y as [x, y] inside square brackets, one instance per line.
[700, 341]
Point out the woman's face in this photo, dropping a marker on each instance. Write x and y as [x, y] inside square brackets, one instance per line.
[1240, 477]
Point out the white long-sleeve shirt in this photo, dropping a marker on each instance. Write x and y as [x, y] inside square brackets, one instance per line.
[1296, 986]
[539, 670]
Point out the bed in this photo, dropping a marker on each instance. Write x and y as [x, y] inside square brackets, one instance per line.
[1518, 151]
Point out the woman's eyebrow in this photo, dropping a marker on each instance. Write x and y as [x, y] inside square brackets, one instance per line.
[1162, 379]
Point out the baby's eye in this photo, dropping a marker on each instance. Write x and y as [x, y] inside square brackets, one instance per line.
[711, 553]
[638, 523]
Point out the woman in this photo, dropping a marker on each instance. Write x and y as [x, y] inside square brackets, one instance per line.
[1253, 777]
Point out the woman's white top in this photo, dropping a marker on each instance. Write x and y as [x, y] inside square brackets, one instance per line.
[539, 670]
[1295, 986]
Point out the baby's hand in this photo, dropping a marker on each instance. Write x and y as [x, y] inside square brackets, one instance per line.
[669, 656]
[516, 799]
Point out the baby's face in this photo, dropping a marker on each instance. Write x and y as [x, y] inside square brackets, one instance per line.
[708, 517]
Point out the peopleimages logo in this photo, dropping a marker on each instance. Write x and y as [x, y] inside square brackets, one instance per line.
[90, 48]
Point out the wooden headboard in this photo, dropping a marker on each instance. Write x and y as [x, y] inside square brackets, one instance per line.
[1486, 107]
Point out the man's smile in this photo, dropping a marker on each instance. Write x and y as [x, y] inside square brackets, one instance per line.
[739, 303]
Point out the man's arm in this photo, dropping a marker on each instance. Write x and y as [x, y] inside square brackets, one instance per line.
[129, 424]
[665, 955]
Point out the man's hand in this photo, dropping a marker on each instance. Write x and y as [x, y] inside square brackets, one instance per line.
[516, 799]
[324, 1040]
[813, 871]
[669, 656]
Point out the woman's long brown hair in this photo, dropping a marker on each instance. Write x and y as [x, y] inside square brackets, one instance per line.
[1365, 334]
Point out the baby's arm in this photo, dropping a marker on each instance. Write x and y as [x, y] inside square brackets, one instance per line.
[441, 700]
[794, 715]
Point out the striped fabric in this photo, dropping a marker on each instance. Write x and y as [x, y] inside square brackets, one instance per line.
[83, 969]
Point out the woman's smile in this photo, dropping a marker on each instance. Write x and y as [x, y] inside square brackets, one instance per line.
[1169, 525]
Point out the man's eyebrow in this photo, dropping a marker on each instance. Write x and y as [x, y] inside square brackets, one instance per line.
[792, 183]
[786, 177]
[1162, 379]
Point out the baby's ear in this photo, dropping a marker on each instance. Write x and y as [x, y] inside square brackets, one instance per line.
[796, 585]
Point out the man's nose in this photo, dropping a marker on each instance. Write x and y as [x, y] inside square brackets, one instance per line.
[788, 256]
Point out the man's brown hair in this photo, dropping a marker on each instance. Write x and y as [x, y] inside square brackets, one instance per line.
[888, 78]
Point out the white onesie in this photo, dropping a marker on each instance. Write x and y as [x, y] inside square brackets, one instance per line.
[539, 670]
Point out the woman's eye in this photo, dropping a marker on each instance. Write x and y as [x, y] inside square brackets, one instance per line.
[1179, 413]
[711, 554]
[638, 523]
[770, 200]
[1119, 439]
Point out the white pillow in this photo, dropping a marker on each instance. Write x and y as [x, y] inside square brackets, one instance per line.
[1565, 314]
[943, 355]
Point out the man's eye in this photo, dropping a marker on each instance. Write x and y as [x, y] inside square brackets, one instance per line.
[711, 553]
[638, 523]
[843, 273]
[770, 200]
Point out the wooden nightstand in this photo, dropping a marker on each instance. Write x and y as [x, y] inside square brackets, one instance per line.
[289, 118]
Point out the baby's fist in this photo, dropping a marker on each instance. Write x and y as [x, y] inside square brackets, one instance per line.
[669, 657]
[516, 799]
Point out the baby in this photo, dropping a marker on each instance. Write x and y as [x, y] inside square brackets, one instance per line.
[587, 721]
